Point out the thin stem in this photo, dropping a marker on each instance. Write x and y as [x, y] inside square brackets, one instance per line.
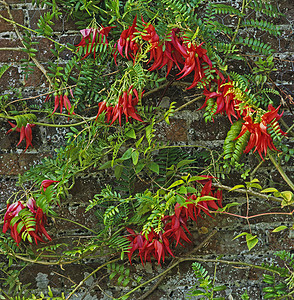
[76, 223]
[87, 277]
[243, 191]
[29, 29]
[281, 171]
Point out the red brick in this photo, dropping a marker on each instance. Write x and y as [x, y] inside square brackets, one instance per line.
[36, 78]
[175, 132]
[11, 55]
[59, 24]
[18, 17]
[211, 131]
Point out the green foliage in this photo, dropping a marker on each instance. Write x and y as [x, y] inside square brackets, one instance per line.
[145, 177]
[233, 148]
[205, 286]
[281, 283]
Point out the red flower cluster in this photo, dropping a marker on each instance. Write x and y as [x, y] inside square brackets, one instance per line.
[125, 106]
[225, 99]
[170, 52]
[126, 44]
[25, 133]
[60, 101]
[158, 245]
[259, 137]
[92, 37]
[40, 218]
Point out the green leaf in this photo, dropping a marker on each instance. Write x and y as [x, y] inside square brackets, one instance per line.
[20, 226]
[105, 165]
[207, 198]
[219, 288]
[126, 281]
[154, 167]
[117, 171]
[185, 162]
[269, 190]
[254, 185]
[127, 154]
[196, 178]
[183, 190]
[112, 275]
[251, 241]
[176, 183]
[280, 228]
[131, 134]
[140, 165]
[236, 187]
[135, 157]
[239, 235]
[120, 279]
[288, 198]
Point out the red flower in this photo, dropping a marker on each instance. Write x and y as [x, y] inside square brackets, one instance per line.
[25, 133]
[225, 99]
[126, 44]
[47, 182]
[156, 245]
[259, 137]
[194, 56]
[13, 211]
[60, 101]
[93, 37]
[125, 106]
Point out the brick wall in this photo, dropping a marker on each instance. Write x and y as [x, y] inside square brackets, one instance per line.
[186, 126]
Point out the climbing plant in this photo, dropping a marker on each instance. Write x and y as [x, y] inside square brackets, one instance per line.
[130, 52]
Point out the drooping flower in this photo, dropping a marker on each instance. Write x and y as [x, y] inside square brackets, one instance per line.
[126, 45]
[226, 101]
[36, 213]
[47, 182]
[93, 37]
[62, 101]
[259, 137]
[155, 244]
[195, 56]
[25, 133]
[125, 106]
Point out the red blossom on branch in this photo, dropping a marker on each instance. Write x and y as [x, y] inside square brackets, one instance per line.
[25, 133]
[40, 218]
[125, 106]
[175, 226]
[126, 44]
[259, 137]
[62, 101]
[46, 183]
[225, 99]
[93, 37]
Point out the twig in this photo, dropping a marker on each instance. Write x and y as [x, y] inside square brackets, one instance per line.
[281, 171]
[87, 277]
[243, 191]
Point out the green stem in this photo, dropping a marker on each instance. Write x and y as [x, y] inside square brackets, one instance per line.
[281, 171]
[32, 30]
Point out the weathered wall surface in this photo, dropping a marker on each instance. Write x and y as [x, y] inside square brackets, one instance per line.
[186, 127]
